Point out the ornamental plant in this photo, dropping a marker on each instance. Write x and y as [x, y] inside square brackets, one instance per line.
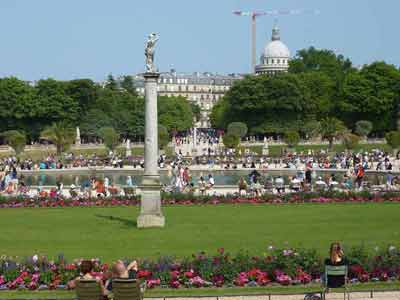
[284, 266]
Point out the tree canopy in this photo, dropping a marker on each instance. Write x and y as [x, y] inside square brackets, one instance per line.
[319, 85]
[31, 108]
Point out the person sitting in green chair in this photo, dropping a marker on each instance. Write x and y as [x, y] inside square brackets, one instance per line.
[336, 259]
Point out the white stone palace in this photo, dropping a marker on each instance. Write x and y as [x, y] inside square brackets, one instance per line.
[204, 89]
[275, 57]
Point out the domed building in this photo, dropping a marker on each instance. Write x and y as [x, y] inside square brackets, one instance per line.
[275, 57]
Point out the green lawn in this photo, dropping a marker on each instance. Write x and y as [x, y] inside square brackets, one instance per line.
[276, 150]
[111, 233]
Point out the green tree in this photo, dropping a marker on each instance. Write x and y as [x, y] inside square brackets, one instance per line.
[61, 134]
[127, 84]
[19, 110]
[372, 94]
[82, 91]
[393, 139]
[326, 61]
[292, 138]
[350, 141]
[54, 104]
[196, 111]
[311, 129]
[231, 140]
[163, 137]
[175, 113]
[93, 120]
[111, 83]
[331, 128]
[363, 128]
[237, 128]
[266, 104]
[110, 137]
[16, 140]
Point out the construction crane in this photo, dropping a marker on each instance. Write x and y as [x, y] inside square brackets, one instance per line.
[254, 15]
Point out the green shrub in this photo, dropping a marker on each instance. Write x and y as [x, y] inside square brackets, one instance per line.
[110, 137]
[231, 140]
[291, 138]
[238, 128]
[350, 141]
[393, 139]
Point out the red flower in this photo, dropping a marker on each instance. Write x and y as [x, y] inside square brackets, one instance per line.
[143, 274]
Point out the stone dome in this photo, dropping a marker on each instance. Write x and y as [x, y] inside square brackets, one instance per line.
[275, 57]
[276, 49]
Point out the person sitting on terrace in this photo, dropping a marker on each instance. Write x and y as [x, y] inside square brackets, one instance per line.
[333, 184]
[321, 185]
[295, 184]
[202, 185]
[242, 185]
[279, 184]
[347, 182]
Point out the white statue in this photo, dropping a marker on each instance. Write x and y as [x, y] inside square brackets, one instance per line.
[128, 148]
[149, 52]
[78, 136]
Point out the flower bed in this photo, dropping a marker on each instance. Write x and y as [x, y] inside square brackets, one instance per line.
[277, 266]
[190, 199]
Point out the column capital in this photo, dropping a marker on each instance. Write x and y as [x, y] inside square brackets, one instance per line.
[151, 75]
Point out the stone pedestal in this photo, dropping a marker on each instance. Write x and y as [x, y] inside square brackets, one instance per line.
[265, 149]
[150, 210]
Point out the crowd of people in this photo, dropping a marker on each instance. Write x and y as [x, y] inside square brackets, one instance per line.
[305, 165]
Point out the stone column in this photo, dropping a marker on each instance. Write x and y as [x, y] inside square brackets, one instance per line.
[150, 209]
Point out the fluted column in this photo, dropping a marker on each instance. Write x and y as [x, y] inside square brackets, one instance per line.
[150, 208]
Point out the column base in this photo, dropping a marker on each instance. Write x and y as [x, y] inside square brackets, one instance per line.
[150, 221]
[150, 208]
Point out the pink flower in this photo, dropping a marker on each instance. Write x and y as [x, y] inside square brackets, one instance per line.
[241, 280]
[151, 283]
[282, 278]
[174, 284]
[174, 274]
[189, 274]
[197, 281]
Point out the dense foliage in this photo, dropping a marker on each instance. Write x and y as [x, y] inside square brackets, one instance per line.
[284, 266]
[319, 84]
[31, 108]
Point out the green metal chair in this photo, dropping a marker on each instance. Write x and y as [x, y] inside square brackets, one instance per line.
[88, 290]
[340, 271]
[127, 289]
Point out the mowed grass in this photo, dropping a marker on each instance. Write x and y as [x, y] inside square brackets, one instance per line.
[111, 233]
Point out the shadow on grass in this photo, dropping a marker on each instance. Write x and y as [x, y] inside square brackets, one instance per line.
[127, 223]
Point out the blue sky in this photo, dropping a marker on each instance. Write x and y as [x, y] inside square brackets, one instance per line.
[67, 39]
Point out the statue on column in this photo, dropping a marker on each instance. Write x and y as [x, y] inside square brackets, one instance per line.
[78, 136]
[149, 52]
